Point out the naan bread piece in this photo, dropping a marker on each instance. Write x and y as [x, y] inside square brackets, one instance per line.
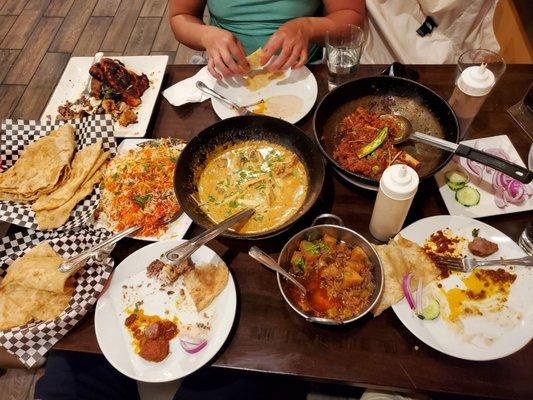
[254, 59]
[40, 167]
[83, 162]
[393, 268]
[99, 162]
[419, 263]
[51, 219]
[33, 289]
[400, 257]
[37, 270]
[10, 313]
[205, 284]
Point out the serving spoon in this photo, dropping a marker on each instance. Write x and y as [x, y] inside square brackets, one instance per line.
[257, 254]
[406, 131]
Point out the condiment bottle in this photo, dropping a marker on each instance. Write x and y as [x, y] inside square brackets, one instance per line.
[471, 89]
[397, 187]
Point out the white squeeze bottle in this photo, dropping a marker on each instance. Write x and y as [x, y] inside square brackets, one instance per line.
[397, 187]
[471, 90]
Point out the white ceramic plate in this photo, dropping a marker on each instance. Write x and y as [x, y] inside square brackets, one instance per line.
[439, 334]
[76, 75]
[115, 340]
[175, 230]
[486, 206]
[299, 82]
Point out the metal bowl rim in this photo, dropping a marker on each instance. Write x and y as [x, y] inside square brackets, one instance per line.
[357, 235]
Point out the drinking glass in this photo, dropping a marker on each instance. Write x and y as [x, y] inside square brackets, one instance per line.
[343, 53]
[493, 61]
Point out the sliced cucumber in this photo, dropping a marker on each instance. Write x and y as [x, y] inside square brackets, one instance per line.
[456, 177]
[431, 311]
[455, 186]
[467, 196]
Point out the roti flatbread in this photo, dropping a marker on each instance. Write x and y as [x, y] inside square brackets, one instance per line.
[33, 288]
[254, 59]
[82, 164]
[205, 284]
[37, 269]
[50, 219]
[400, 257]
[40, 167]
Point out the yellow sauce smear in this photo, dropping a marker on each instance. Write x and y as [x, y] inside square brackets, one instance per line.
[481, 285]
[253, 174]
[258, 79]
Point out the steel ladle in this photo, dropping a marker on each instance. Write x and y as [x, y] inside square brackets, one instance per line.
[406, 131]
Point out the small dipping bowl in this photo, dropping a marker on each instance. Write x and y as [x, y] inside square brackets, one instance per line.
[341, 233]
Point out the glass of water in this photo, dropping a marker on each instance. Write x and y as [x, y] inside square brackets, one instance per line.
[343, 53]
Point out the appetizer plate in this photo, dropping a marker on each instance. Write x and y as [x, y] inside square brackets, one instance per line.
[115, 340]
[486, 206]
[300, 83]
[506, 335]
[76, 75]
[175, 230]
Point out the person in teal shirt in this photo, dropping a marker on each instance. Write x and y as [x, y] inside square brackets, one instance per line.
[293, 29]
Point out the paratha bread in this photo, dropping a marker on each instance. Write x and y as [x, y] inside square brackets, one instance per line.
[37, 269]
[400, 257]
[205, 283]
[51, 219]
[83, 162]
[254, 59]
[40, 168]
[33, 288]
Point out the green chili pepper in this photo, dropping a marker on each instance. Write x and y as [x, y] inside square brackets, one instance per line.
[374, 144]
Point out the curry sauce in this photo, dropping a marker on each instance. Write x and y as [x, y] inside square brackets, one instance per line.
[253, 174]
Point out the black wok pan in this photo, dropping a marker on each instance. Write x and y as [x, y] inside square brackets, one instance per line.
[427, 111]
[234, 130]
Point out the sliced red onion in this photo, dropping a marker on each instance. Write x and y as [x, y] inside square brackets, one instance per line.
[191, 345]
[407, 290]
[498, 198]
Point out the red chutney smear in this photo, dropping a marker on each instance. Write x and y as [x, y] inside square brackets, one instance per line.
[445, 245]
[151, 335]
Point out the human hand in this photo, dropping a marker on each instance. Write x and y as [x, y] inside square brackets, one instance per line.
[293, 40]
[225, 52]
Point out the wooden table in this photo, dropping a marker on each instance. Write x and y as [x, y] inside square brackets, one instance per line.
[375, 352]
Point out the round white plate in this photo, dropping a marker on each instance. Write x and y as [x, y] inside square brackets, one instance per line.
[438, 333]
[298, 82]
[115, 340]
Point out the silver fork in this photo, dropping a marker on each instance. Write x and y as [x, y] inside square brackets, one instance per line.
[469, 264]
[240, 110]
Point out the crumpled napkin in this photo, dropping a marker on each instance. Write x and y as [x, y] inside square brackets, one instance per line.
[186, 91]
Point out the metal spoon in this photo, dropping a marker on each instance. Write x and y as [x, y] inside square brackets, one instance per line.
[259, 255]
[406, 131]
[240, 110]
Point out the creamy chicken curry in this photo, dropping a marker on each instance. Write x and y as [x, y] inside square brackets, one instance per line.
[257, 174]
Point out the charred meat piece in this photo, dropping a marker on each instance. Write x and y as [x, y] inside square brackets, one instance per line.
[153, 331]
[482, 247]
[127, 84]
[154, 268]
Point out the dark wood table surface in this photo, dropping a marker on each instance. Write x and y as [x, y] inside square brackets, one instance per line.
[380, 352]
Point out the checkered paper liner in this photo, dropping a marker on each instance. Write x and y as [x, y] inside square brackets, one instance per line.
[30, 342]
[15, 135]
